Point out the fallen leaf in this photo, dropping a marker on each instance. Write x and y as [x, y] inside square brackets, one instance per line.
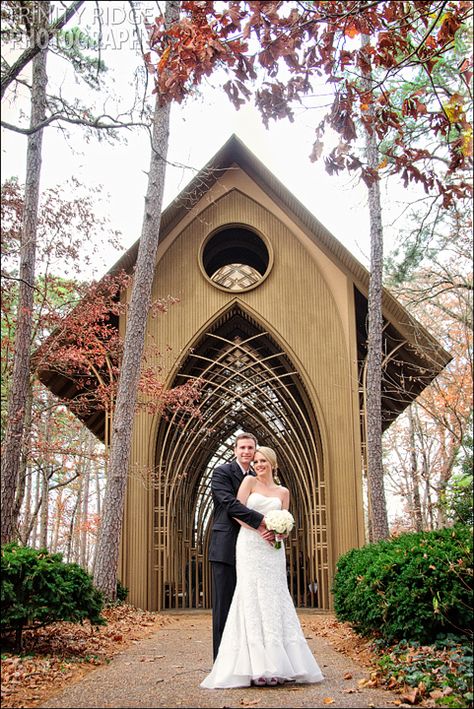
[348, 675]
[411, 697]
[328, 700]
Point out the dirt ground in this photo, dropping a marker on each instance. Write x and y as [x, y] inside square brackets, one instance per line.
[164, 669]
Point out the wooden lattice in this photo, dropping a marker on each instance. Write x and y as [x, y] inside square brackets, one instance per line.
[248, 384]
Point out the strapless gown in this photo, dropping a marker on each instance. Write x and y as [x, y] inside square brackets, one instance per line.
[262, 636]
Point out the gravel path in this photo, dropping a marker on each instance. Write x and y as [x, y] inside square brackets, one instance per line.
[165, 670]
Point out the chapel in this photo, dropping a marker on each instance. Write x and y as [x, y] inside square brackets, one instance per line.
[272, 319]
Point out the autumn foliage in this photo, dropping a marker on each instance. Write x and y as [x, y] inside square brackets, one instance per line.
[281, 52]
[86, 348]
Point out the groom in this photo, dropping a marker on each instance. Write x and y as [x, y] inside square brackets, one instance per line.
[225, 483]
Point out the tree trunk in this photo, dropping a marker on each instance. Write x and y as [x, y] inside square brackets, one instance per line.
[111, 526]
[417, 512]
[59, 505]
[376, 490]
[98, 508]
[26, 521]
[44, 510]
[33, 532]
[70, 533]
[83, 532]
[23, 469]
[21, 364]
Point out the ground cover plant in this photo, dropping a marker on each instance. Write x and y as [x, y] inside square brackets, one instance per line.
[441, 672]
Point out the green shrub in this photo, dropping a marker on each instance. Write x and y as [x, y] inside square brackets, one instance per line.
[415, 586]
[38, 588]
[122, 592]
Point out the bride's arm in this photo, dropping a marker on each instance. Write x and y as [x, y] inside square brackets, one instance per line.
[246, 487]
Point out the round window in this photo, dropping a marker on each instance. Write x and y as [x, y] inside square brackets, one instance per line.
[235, 258]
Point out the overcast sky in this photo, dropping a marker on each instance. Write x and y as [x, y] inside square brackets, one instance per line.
[117, 173]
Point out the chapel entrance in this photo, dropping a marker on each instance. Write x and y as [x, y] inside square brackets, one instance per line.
[249, 384]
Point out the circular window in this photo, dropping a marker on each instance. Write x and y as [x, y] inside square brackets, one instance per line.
[235, 258]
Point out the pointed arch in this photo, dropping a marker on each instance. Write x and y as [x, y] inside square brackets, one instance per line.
[248, 383]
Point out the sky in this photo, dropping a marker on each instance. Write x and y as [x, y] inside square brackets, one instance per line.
[116, 173]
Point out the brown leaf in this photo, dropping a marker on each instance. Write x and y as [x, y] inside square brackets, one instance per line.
[317, 150]
[411, 696]
[328, 700]
[348, 675]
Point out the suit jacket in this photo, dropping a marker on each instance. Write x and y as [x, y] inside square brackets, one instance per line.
[225, 483]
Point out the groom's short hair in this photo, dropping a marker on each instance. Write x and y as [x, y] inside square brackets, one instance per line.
[245, 435]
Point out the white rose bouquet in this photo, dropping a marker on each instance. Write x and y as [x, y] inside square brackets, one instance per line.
[281, 522]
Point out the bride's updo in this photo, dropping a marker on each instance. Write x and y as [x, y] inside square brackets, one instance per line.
[270, 455]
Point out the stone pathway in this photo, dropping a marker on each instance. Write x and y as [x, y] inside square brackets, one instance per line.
[165, 670]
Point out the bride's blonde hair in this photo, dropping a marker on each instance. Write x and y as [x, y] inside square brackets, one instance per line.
[270, 455]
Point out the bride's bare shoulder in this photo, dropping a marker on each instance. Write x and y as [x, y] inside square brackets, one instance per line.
[285, 493]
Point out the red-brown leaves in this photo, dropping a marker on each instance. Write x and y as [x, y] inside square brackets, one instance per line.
[188, 51]
[272, 51]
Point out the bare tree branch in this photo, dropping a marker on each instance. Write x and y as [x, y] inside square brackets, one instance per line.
[13, 71]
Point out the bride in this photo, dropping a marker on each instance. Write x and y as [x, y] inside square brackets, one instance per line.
[262, 643]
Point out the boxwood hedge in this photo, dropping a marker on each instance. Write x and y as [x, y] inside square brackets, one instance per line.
[415, 586]
[38, 588]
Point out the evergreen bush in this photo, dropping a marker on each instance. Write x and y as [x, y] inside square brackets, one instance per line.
[38, 588]
[122, 592]
[413, 587]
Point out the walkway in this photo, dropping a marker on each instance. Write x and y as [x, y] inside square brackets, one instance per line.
[165, 670]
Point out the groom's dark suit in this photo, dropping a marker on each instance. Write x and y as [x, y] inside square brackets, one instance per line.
[225, 483]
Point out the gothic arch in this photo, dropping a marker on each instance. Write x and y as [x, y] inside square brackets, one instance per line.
[249, 383]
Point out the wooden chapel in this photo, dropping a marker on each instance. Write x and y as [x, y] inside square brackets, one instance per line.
[272, 318]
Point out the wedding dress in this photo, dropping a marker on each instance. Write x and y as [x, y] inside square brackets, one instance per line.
[262, 636]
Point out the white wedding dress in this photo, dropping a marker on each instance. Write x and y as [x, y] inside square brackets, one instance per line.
[262, 636]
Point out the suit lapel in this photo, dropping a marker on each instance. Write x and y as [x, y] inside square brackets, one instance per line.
[236, 471]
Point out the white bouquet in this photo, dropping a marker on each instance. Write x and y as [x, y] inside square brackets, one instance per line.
[281, 522]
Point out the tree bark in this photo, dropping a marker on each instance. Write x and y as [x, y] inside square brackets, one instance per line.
[25, 525]
[44, 510]
[57, 522]
[32, 533]
[376, 490]
[415, 478]
[105, 574]
[23, 468]
[86, 476]
[21, 365]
